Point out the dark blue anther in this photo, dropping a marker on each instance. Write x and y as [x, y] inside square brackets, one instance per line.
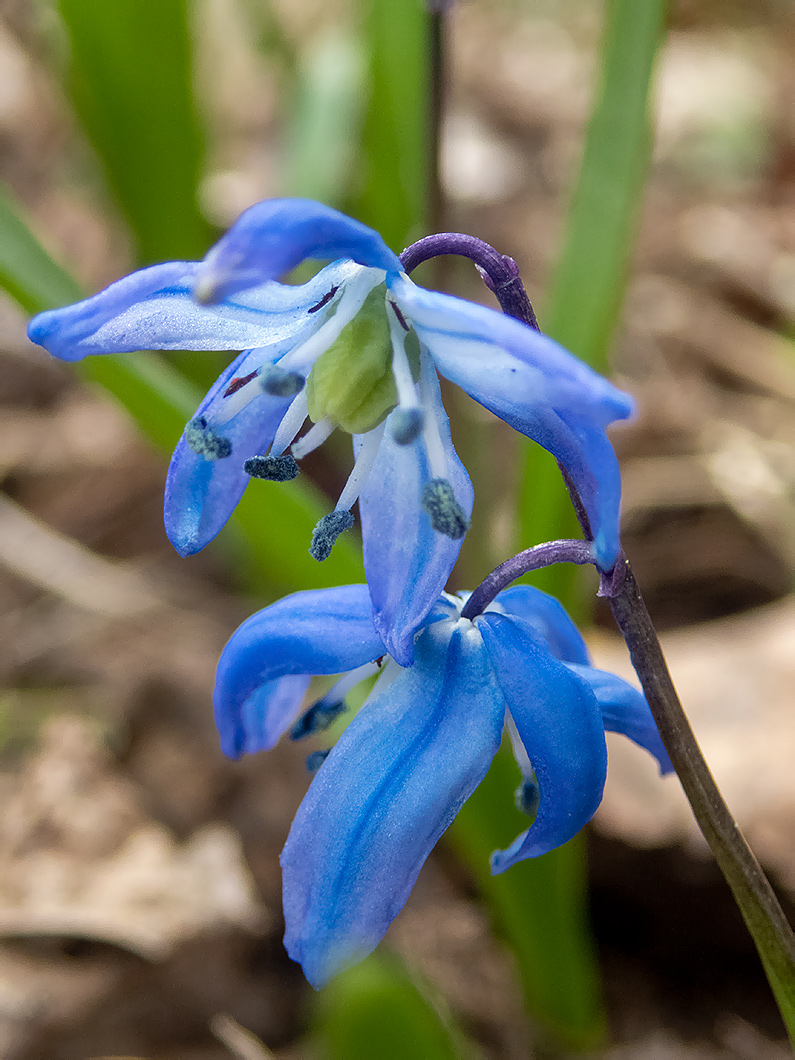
[206, 442]
[279, 382]
[446, 514]
[273, 468]
[528, 797]
[406, 425]
[326, 533]
[317, 719]
[316, 759]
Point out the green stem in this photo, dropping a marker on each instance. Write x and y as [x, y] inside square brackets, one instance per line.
[436, 104]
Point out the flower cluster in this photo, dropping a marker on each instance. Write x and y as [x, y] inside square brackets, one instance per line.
[360, 348]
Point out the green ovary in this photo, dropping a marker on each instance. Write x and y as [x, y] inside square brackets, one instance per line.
[351, 384]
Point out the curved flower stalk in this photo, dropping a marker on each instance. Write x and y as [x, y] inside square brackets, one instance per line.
[423, 741]
[357, 348]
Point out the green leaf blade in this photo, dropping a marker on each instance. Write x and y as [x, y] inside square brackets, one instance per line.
[130, 79]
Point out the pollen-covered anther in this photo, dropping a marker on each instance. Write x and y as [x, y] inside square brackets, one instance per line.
[528, 797]
[279, 382]
[327, 531]
[316, 759]
[205, 441]
[273, 468]
[406, 425]
[446, 514]
[317, 719]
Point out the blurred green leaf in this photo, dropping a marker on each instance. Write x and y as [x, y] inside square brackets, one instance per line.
[130, 78]
[376, 1009]
[27, 271]
[323, 129]
[270, 534]
[538, 907]
[590, 280]
[589, 283]
[392, 181]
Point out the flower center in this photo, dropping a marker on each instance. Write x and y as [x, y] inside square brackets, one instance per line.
[352, 383]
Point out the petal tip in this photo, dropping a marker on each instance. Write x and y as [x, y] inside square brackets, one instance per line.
[40, 327]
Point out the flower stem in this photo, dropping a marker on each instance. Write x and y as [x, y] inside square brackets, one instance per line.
[500, 273]
[566, 551]
[752, 892]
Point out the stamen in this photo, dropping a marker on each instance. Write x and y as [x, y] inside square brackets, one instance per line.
[275, 380]
[399, 315]
[353, 296]
[431, 435]
[313, 438]
[326, 533]
[316, 759]
[519, 749]
[291, 424]
[318, 718]
[241, 380]
[321, 714]
[528, 797]
[408, 419]
[273, 468]
[205, 441]
[446, 514]
[324, 300]
[362, 467]
[406, 425]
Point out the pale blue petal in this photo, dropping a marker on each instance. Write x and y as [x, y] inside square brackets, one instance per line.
[407, 562]
[560, 724]
[154, 310]
[625, 710]
[533, 384]
[548, 619]
[321, 631]
[201, 494]
[390, 787]
[275, 236]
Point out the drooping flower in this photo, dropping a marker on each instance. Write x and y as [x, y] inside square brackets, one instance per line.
[357, 348]
[420, 745]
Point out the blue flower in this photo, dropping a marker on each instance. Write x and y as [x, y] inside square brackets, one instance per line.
[419, 747]
[358, 347]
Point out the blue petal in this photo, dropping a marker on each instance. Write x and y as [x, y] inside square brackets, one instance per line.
[559, 723]
[390, 787]
[201, 494]
[548, 619]
[533, 384]
[322, 631]
[154, 310]
[407, 562]
[274, 236]
[625, 710]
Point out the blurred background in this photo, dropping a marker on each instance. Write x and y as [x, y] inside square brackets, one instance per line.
[139, 887]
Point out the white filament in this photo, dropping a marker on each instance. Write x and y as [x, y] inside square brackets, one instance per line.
[401, 369]
[302, 357]
[362, 467]
[430, 430]
[291, 424]
[313, 438]
[339, 691]
[519, 750]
